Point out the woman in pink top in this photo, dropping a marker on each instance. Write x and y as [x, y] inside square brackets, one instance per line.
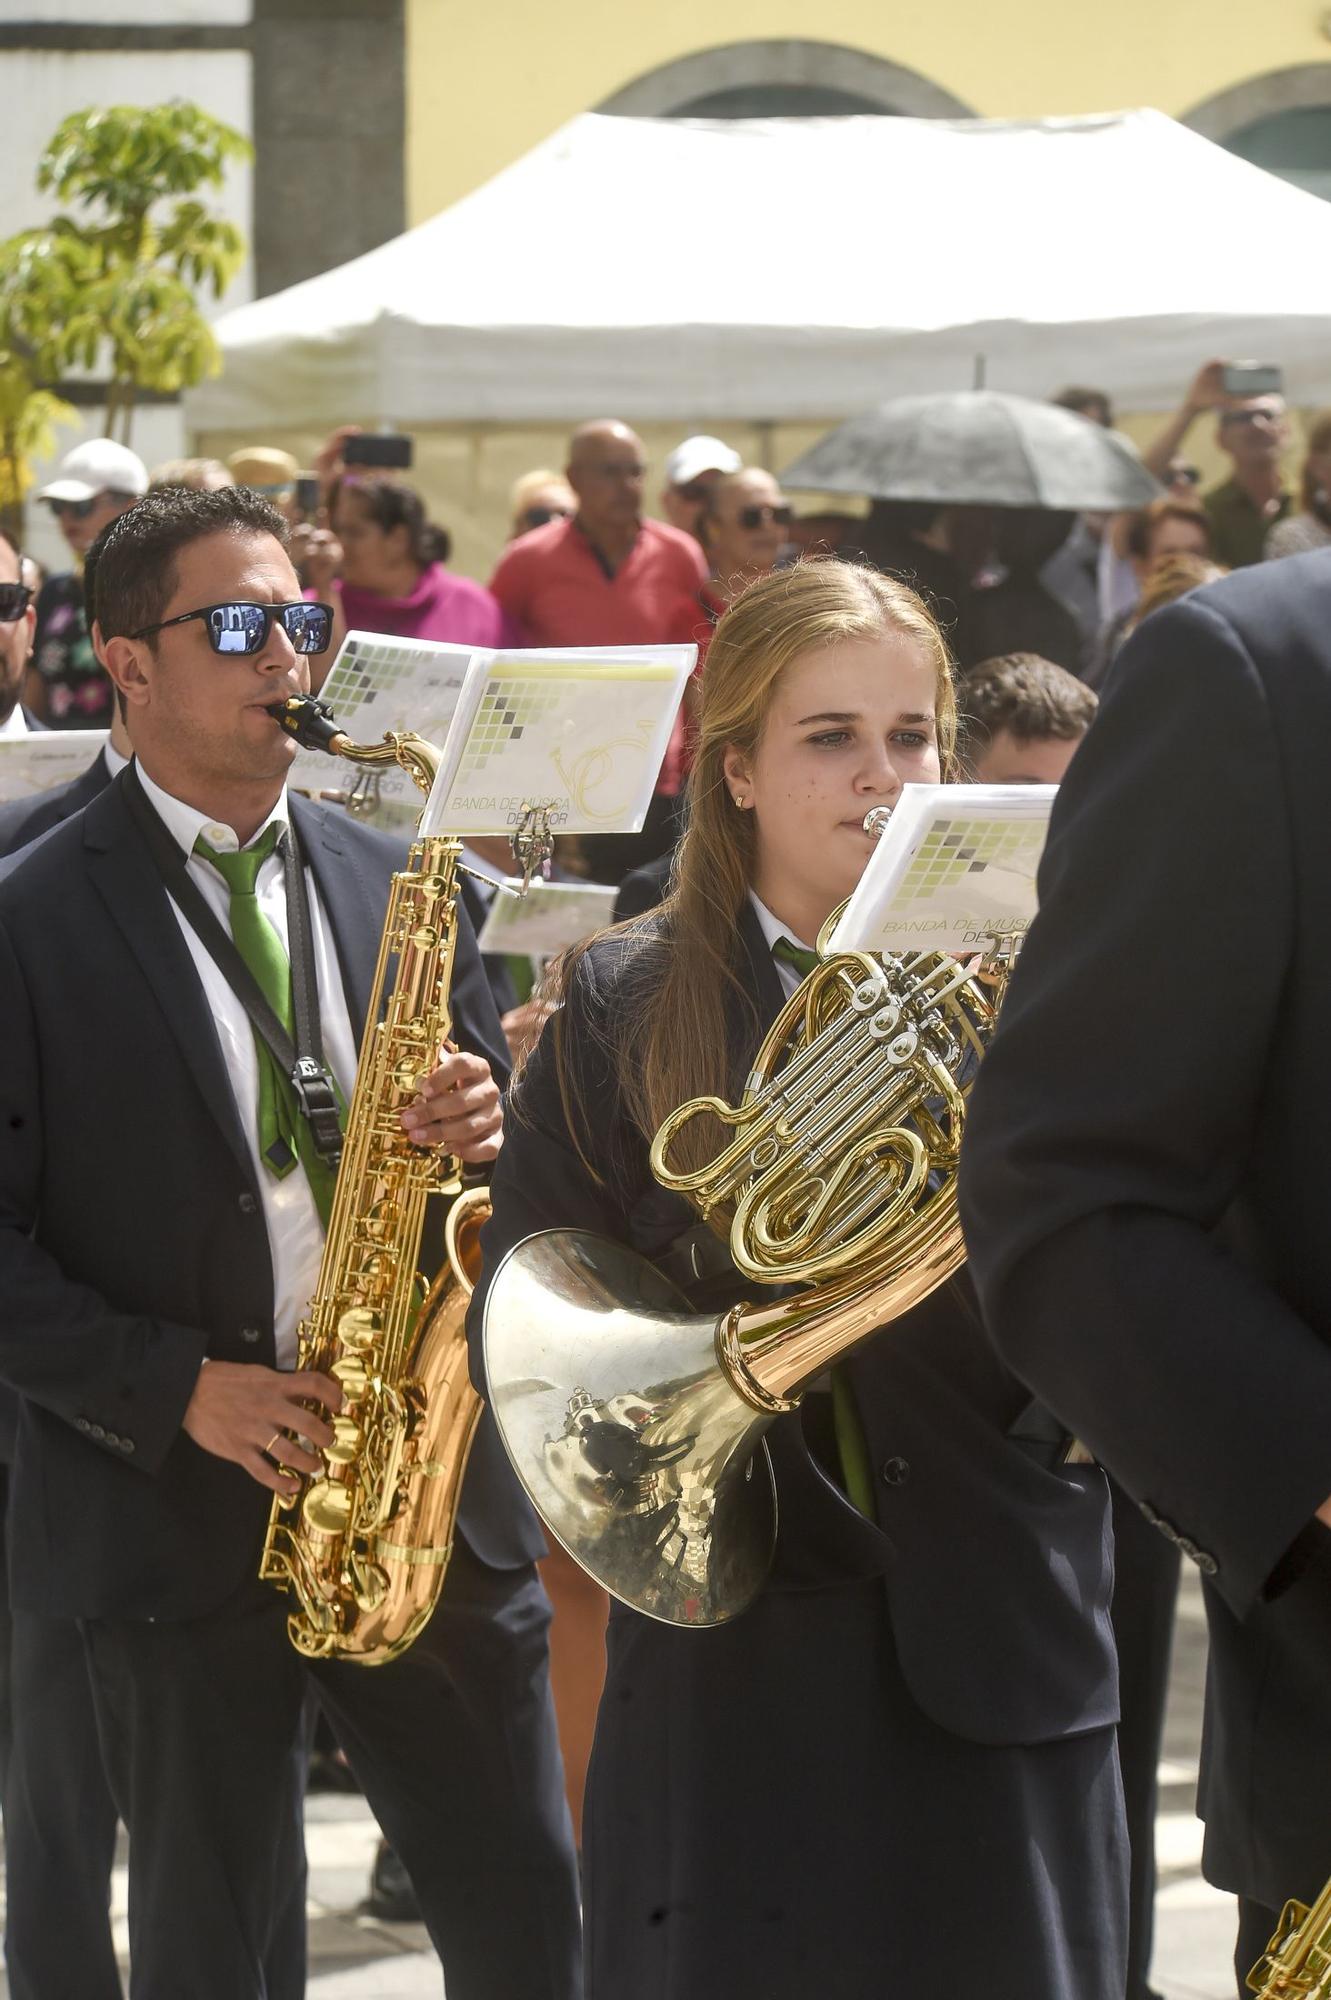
[388, 578]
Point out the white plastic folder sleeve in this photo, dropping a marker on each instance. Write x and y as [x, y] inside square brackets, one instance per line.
[378, 684]
[955, 868]
[582, 733]
[45, 758]
[548, 919]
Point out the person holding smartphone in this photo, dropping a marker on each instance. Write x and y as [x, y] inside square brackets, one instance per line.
[1253, 431]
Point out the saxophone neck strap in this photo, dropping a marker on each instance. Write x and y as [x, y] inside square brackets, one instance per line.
[301, 1060]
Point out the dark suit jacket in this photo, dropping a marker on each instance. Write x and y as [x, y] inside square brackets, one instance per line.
[997, 1567]
[1146, 1169]
[132, 1239]
[644, 888]
[24, 820]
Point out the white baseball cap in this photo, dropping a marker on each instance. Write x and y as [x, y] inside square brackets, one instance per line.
[697, 455]
[99, 466]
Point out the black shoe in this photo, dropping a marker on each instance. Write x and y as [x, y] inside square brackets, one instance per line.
[391, 1899]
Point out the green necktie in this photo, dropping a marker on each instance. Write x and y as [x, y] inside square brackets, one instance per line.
[799, 956]
[284, 1134]
[852, 1446]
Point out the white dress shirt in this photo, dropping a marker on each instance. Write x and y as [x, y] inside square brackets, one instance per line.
[773, 930]
[295, 1233]
[14, 724]
[113, 760]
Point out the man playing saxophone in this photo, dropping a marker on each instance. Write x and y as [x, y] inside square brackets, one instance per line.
[917, 1710]
[162, 1202]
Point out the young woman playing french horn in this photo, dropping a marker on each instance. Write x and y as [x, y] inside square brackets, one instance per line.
[896, 1772]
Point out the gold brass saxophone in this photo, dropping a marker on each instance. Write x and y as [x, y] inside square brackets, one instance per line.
[363, 1545]
[1297, 1963]
[635, 1424]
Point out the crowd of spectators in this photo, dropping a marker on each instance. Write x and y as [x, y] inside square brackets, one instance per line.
[586, 564]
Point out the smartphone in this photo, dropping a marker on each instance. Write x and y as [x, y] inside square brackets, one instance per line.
[388, 451]
[1252, 378]
[307, 495]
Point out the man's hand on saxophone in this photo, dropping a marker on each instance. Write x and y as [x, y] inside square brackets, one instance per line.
[458, 1110]
[264, 1419]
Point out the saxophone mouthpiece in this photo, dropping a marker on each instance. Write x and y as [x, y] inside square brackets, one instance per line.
[310, 721]
[877, 821]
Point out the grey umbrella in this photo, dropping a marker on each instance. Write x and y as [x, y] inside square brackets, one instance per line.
[977, 448]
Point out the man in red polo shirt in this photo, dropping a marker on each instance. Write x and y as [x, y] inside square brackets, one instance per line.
[609, 578]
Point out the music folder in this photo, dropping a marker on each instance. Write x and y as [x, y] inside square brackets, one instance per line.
[955, 869]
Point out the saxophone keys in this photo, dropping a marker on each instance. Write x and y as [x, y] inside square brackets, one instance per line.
[347, 1439]
[326, 1510]
[359, 1328]
[354, 1377]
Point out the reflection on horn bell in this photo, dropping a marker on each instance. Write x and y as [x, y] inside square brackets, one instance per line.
[636, 1424]
[631, 1442]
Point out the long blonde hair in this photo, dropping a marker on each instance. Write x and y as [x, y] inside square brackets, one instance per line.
[670, 1040]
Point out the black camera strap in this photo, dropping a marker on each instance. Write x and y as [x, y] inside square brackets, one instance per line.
[302, 1060]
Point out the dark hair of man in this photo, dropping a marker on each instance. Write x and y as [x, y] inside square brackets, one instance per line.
[129, 573]
[1026, 695]
[391, 504]
[1143, 524]
[1093, 404]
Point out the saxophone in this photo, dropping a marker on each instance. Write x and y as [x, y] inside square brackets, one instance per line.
[363, 1545]
[1297, 1963]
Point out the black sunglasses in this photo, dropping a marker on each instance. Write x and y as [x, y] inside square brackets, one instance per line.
[242, 627]
[757, 517]
[537, 517]
[1185, 475]
[78, 510]
[14, 601]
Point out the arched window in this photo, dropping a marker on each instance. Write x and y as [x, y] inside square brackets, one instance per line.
[1281, 121]
[782, 79]
[1294, 144]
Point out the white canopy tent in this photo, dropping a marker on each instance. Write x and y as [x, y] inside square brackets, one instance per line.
[786, 269]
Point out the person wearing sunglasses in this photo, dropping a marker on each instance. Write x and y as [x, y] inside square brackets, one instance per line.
[691, 472]
[537, 498]
[161, 1231]
[93, 484]
[744, 529]
[17, 622]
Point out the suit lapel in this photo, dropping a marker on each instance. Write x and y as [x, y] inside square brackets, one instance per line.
[763, 980]
[353, 900]
[87, 785]
[123, 874]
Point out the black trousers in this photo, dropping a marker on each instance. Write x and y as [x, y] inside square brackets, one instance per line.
[1257, 1926]
[454, 1745]
[1146, 1577]
[60, 1823]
